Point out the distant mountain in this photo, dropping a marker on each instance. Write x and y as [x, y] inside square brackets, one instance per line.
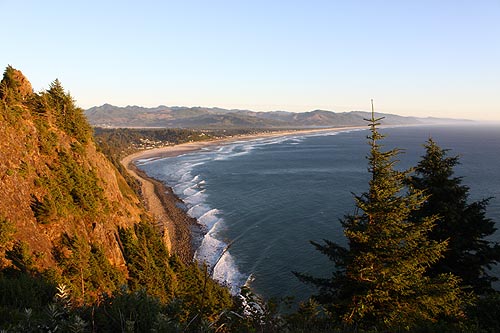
[210, 118]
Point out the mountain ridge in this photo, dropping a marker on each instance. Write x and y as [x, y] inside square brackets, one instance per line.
[108, 115]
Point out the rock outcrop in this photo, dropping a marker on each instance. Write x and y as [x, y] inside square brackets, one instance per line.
[53, 180]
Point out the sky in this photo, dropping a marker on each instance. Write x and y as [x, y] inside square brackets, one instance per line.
[415, 57]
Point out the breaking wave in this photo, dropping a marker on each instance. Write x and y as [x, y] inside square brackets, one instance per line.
[178, 173]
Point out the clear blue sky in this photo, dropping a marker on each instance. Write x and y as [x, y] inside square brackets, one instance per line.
[422, 57]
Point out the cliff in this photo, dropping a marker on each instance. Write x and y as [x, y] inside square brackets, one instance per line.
[77, 246]
[54, 183]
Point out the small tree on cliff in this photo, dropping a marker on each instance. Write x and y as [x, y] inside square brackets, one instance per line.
[380, 280]
[464, 225]
[14, 87]
[68, 117]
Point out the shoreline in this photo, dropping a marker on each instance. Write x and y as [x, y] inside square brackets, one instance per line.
[183, 148]
[175, 224]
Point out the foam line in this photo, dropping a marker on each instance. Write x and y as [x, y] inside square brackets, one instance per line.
[179, 173]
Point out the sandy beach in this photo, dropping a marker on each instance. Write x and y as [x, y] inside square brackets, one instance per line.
[176, 226]
[175, 150]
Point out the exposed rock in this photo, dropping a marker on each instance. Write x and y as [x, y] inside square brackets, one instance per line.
[16, 83]
[47, 173]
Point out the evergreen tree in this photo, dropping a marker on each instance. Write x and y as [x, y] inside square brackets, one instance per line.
[14, 87]
[464, 225]
[68, 117]
[380, 278]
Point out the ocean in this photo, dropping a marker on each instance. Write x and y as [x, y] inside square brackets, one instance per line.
[261, 202]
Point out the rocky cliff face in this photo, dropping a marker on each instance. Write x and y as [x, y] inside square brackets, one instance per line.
[53, 181]
[69, 219]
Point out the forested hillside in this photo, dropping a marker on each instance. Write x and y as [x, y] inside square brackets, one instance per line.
[54, 181]
[77, 249]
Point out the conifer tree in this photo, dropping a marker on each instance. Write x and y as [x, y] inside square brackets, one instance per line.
[14, 87]
[379, 280]
[68, 117]
[464, 225]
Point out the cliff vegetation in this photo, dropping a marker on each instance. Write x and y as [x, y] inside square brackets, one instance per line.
[79, 253]
[77, 248]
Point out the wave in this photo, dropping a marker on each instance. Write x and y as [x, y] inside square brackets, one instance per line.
[179, 173]
[198, 210]
[223, 272]
[234, 149]
[195, 199]
[145, 160]
[209, 219]
[185, 175]
[210, 250]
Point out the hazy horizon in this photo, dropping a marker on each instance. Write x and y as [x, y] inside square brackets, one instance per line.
[423, 59]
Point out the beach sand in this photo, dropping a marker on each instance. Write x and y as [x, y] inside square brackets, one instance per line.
[176, 226]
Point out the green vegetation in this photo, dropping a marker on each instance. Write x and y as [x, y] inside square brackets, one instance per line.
[416, 260]
[85, 269]
[14, 89]
[160, 292]
[118, 142]
[67, 185]
[70, 185]
[464, 225]
[68, 117]
[380, 279]
[6, 232]
[67, 198]
[71, 189]
[148, 261]
[167, 278]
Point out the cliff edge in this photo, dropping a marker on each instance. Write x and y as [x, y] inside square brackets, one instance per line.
[56, 189]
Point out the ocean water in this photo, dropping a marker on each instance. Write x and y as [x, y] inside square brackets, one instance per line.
[260, 202]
